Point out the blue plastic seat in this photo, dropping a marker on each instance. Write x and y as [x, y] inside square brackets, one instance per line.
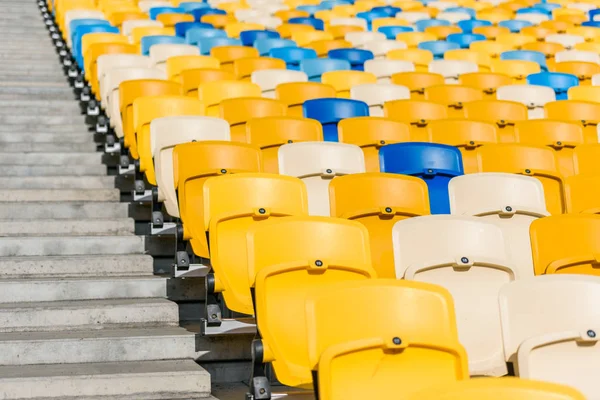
[194, 35]
[311, 9]
[435, 163]
[189, 6]
[181, 28]
[314, 22]
[595, 24]
[315, 67]
[558, 81]
[76, 23]
[198, 13]
[83, 30]
[466, 10]
[264, 46]
[423, 24]
[371, 15]
[356, 57]
[547, 6]
[331, 111]
[533, 10]
[464, 40]
[329, 4]
[390, 11]
[156, 11]
[526, 55]
[207, 44]
[468, 25]
[438, 47]
[149, 41]
[515, 25]
[293, 56]
[390, 32]
[249, 37]
[593, 13]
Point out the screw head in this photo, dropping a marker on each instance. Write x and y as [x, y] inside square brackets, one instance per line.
[157, 219]
[430, 171]
[223, 171]
[508, 208]
[262, 391]
[290, 141]
[501, 121]
[213, 316]
[194, 141]
[328, 171]
[319, 263]
[262, 211]
[591, 333]
[471, 143]
[382, 142]
[388, 209]
[464, 260]
[527, 171]
[182, 261]
[559, 143]
[397, 341]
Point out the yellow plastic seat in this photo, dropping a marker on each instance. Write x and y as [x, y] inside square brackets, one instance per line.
[583, 70]
[244, 67]
[566, 244]
[117, 18]
[193, 164]
[270, 133]
[453, 96]
[582, 194]
[585, 93]
[285, 15]
[218, 21]
[139, 32]
[548, 48]
[585, 113]
[170, 19]
[419, 57]
[343, 81]
[560, 136]
[588, 46]
[487, 82]
[516, 69]
[499, 389]
[370, 134]
[515, 40]
[322, 47]
[287, 30]
[175, 65]
[417, 82]
[538, 32]
[129, 91]
[360, 360]
[585, 159]
[492, 48]
[412, 39]
[491, 32]
[467, 135]
[238, 111]
[495, 15]
[536, 161]
[559, 12]
[259, 197]
[96, 50]
[576, 20]
[557, 26]
[339, 31]
[92, 39]
[416, 113]
[232, 6]
[286, 258]
[304, 37]
[502, 113]
[384, 199]
[590, 33]
[212, 93]
[228, 54]
[482, 60]
[234, 29]
[441, 32]
[294, 94]
[191, 79]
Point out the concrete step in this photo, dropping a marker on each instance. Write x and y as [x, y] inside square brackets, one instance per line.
[32, 118]
[29, 129]
[74, 227]
[94, 346]
[48, 147]
[87, 315]
[67, 267]
[151, 380]
[82, 136]
[39, 170]
[57, 106]
[58, 182]
[52, 195]
[92, 288]
[49, 159]
[70, 246]
[145, 380]
[63, 210]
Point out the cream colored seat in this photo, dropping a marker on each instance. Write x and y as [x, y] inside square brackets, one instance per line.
[467, 256]
[551, 326]
[268, 79]
[453, 16]
[349, 21]
[534, 97]
[165, 134]
[376, 94]
[510, 201]
[384, 69]
[146, 5]
[577, 55]
[128, 26]
[107, 62]
[380, 48]
[358, 39]
[316, 163]
[159, 53]
[72, 15]
[451, 70]
[567, 40]
[412, 16]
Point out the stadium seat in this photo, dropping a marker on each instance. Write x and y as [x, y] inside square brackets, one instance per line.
[329, 111]
[536, 161]
[212, 93]
[584, 93]
[583, 70]
[526, 55]
[451, 70]
[417, 82]
[416, 113]
[219, 21]
[577, 55]
[435, 163]
[235, 29]
[359, 39]
[419, 57]
[438, 47]
[548, 49]
[97, 51]
[238, 111]
[296, 93]
[549, 325]
[108, 65]
[376, 94]
[515, 25]
[559, 82]
[292, 55]
[515, 40]
[344, 81]
[269, 79]
[464, 40]
[356, 57]
[228, 54]
[269, 133]
[585, 159]
[453, 97]
[358, 360]
[582, 112]
[207, 44]
[384, 69]
[534, 97]
[423, 24]
[567, 40]
[581, 194]
[264, 46]
[490, 32]
[518, 70]
[317, 163]
[197, 35]
[391, 31]
[468, 257]
[182, 28]
[487, 82]
[149, 41]
[168, 132]
[482, 60]
[323, 47]
[316, 67]
[170, 20]
[502, 113]
[176, 65]
[160, 53]
[490, 47]
[244, 67]
[510, 201]
[412, 39]
[191, 79]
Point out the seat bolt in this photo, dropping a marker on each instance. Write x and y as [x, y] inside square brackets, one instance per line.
[464, 260]
[382, 141]
[328, 171]
[559, 143]
[213, 316]
[223, 171]
[527, 171]
[262, 391]
[430, 171]
[157, 220]
[508, 208]
[262, 211]
[290, 141]
[471, 143]
[591, 333]
[319, 263]
[388, 209]
[397, 340]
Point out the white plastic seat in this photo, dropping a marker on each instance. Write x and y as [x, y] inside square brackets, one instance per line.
[128, 26]
[384, 69]
[551, 327]
[453, 16]
[380, 48]
[510, 201]
[596, 80]
[586, 7]
[168, 132]
[441, 5]
[467, 256]
[360, 22]
[107, 62]
[412, 16]
[268, 21]
[159, 53]
[316, 163]
[244, 14]
[534, 97]
[72, 15]
[376, 94]
[577, 55]
[358, 39]
[268, 79]
[567, 40]
[146, 5]
[451, 70]
[534, 18]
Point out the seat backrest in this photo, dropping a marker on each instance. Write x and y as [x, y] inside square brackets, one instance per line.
[212, 93]
[482, 60]
[296, 93]
[577, 55]
[315, 67]
[160, 53]
[417, 82]
[384, 69]
[488, 82]
[359, 39]
[264, 46]
[385, 199]
[453, 97]
[244, 67]
[376, 94]
[451, 70]
[250, 36]
[330, 111]
[292, 55]
[165, 134]
[518, 70]
[191, 79]
[584, 93]
[559, 82]
[197, 35]
[467, 256]
[526, 55]
[380, 48]
[107, 62]
[581, 192]
[227, 54]
[435, 163]
[582, 112]
[503, 113]
[532, 96]
[344, 81]
[286, 258]
[128, 26]
[238, 111]
[175, 65]
[317, 163]
[269, 79]
[416, 113]
[583, 70]
[419, 57]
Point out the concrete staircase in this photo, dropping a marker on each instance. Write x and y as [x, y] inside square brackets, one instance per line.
[81, 314]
